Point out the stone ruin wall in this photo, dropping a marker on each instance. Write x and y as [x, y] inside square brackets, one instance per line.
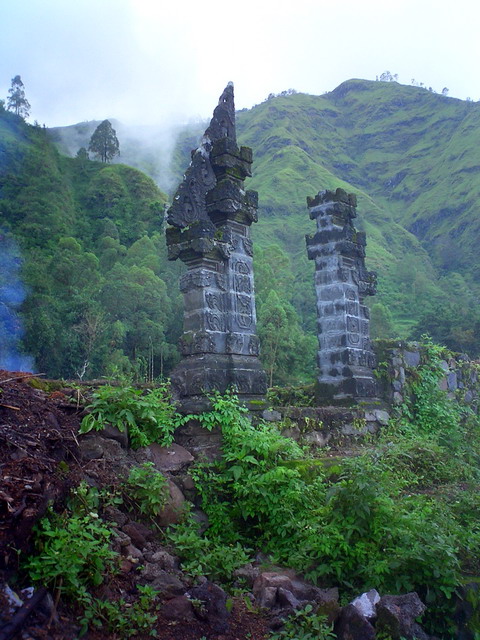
[397, 360]
[320, 426]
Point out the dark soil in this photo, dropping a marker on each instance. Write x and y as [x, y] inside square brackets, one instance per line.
[38, 458]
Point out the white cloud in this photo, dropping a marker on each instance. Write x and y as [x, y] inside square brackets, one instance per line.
[149, 61]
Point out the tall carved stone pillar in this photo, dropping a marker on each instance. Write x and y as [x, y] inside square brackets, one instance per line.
[345, 357]
[211, 216]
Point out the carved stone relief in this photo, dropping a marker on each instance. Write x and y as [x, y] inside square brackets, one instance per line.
[210, 217]
[235, 342]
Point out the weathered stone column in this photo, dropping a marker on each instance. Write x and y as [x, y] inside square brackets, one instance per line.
[345, 357]
[211, 216]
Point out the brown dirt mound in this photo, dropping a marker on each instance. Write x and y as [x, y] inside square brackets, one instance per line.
[38, 457]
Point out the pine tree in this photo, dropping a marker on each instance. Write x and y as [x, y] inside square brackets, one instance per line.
[104, 142]
[16, 100]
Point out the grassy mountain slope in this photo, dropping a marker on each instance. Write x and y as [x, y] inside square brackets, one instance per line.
[417, 153]
[298, 145]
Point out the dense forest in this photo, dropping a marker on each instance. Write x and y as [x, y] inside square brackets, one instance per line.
[101, 298]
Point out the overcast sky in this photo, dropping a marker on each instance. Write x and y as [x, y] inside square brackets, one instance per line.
[159, 61]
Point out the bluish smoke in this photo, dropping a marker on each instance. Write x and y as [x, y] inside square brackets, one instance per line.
[12, 294]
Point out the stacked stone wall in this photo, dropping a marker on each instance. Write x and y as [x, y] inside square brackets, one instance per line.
[337, 426]
[397, 362]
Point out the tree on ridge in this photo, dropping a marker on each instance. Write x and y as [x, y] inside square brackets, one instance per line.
[16, 100]
[104, 142]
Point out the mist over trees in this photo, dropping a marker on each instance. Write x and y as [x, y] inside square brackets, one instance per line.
[94, 260]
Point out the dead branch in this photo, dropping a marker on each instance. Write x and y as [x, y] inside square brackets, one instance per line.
[13, 627]
[25, 375]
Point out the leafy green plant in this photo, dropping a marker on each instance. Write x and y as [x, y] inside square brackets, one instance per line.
[305, 624]
[124, 619]
[248, 487]
[202, 555]
[299, 396]
[147, 488]
[148, 416]
[72, 553]
[73, 556]
[426, 405]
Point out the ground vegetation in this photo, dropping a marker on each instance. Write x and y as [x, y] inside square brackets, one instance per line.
[398, 513]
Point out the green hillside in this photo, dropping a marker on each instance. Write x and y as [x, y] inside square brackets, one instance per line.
[298, 150]
[90, 238]
[417, 153]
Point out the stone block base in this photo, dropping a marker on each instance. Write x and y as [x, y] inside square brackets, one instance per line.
[340, 388]
[198, 375]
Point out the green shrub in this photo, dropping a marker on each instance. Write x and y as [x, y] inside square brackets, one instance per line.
[427, 408]
[125, 620]
[305, 624]
[72, 553]
[299, 396]
[148, 416]
[205, 556]
[147, 488]
[73, 556]
[248, 488]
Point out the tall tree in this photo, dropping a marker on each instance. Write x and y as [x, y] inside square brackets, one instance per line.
[16, 100]
[104, 142]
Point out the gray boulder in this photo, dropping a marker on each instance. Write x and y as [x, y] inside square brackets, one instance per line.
[366, 603]
[166, 459]
[213, 605]
[178, 609]
[352, 625]
[396, 616]
[174, 510]
[278, 590]
[167, 584]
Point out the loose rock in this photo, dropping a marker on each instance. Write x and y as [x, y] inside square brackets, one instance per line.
[173, 512]
[366, 603]
[167, 584]
[214, 605]
[179, 609]
[167, 459]
[396, 615]
[351, 625]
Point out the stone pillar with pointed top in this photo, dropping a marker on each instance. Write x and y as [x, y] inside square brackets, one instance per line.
[345, 357]
[210, 220]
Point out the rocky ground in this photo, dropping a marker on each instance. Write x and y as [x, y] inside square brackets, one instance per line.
[42, 458]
